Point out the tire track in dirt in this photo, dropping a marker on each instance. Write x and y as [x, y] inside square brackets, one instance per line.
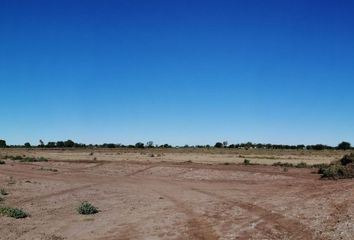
[295, 229]
[33, 174]
[140, 171]
[197, 227]
[50, 195]
[127, 233]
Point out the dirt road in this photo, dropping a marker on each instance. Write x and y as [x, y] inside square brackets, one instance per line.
[166, 200]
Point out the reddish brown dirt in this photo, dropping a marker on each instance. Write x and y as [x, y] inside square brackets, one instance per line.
[165, 200]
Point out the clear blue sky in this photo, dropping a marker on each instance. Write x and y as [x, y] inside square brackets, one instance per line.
[179, 72]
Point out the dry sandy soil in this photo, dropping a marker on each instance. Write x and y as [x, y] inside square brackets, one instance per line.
[165, 196]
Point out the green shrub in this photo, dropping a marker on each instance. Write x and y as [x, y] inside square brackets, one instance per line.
[3, 192]
[321, 167]
[13, 212]
[344, 168]
[246, 162]
[87, 208]
[333, 171]
[347, 159]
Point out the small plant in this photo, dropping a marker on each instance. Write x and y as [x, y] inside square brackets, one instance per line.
[87, 208]
[3, 192]
[13, 212]
[2, 199]
[2, 162]
[246, 162]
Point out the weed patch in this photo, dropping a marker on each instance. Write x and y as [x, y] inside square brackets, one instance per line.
[285, 164]
[13, 212]
[87, 208]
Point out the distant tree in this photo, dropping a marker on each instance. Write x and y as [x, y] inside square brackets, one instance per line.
[69, 143]
[218, 145]
[60, 144]
[259, 145]
[109, 145]
[27, 145]
[344, 146]
[139, 145]
[150, 144]
[225, 143]
[301, 146]
[41, 143]
[50, 145]
[2, 143]
[318, 147]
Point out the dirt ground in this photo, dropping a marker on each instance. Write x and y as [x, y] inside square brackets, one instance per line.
[153, 194]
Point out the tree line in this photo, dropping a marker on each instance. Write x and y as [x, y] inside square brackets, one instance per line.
[150, 144]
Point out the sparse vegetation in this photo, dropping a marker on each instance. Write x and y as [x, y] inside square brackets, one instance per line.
[87, 208]
[13, 212]
[26, 159]
[344, 168]
[283, 164]
[2, 162]
[333, 171]
[33, 159]
[301, 165]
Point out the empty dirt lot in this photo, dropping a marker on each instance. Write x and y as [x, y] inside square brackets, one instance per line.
[175, 194]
